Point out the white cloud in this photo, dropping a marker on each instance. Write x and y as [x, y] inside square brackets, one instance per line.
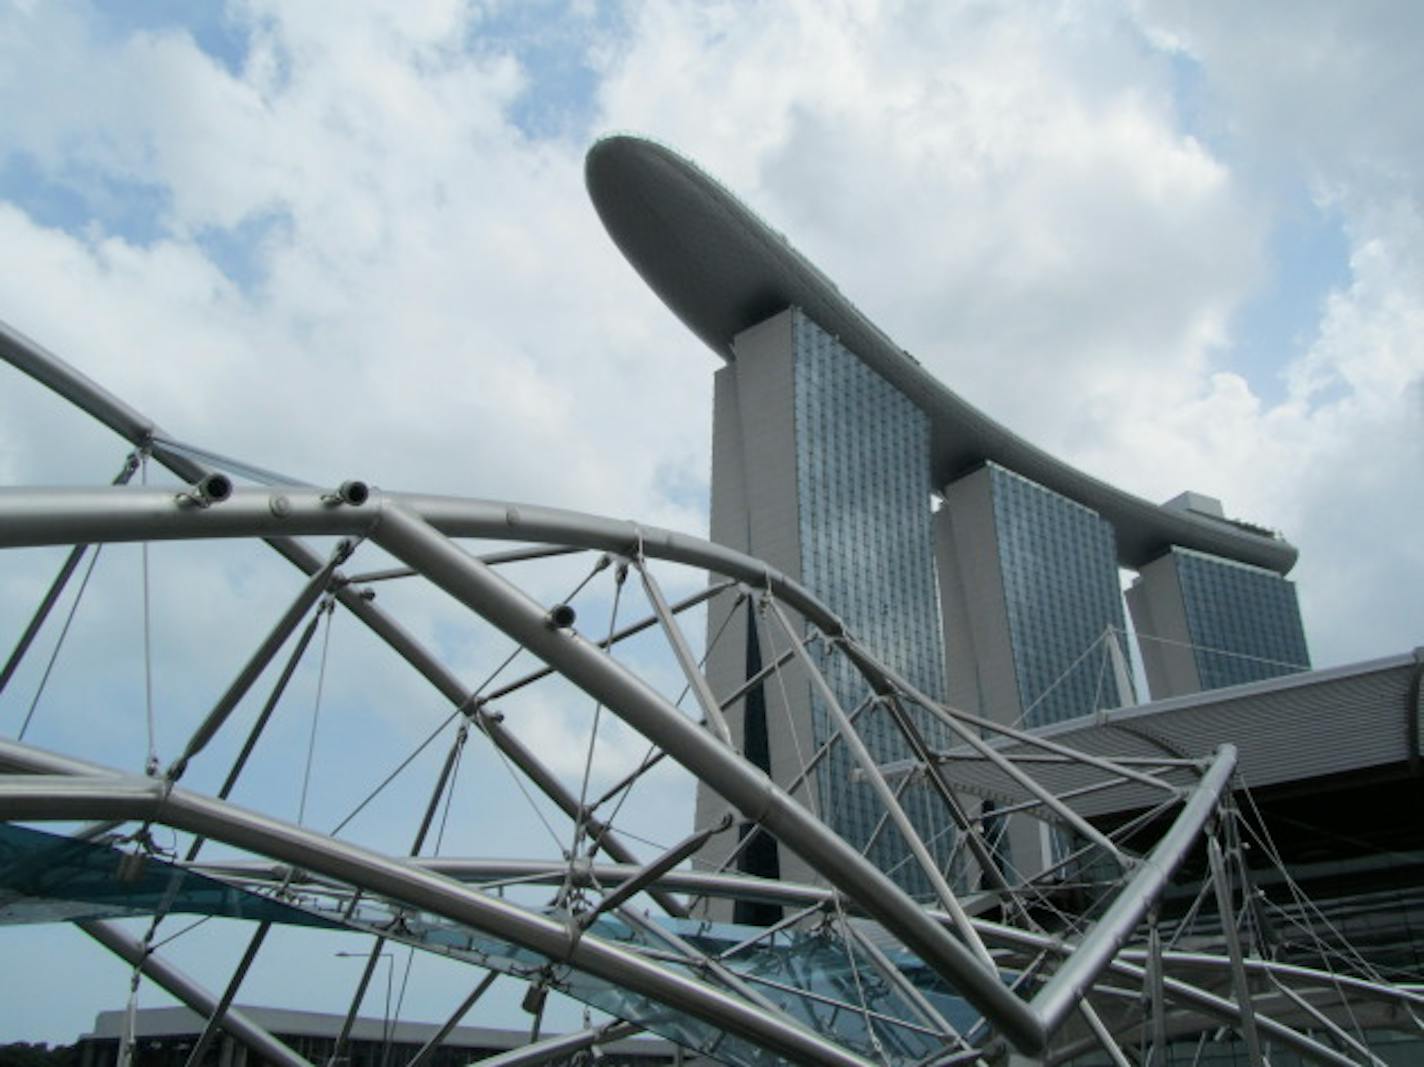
[1013, 193]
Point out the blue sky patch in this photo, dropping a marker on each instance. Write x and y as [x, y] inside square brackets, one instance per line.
[1309, 255]
[209, 24]
[240, 251]
[552, 46]
[79, 198]
[1189, 92]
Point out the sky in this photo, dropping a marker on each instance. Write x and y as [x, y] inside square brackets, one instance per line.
[1177, 245]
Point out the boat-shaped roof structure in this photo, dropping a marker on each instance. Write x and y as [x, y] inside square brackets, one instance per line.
[722, 270]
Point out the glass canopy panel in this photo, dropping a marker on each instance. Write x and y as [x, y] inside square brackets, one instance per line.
[46, 877]
[808, 974]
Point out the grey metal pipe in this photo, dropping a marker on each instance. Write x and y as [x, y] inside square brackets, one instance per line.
[1102, 1034]
[1155, 990]
[83, 392]
[1306, 975]
[1222, 888]
[862, 658]
[711, 710]
[309, 594]
[563, 1045]
[1328, 1024]
[210, 1028]
[1063, 811]
[653, 870]
[49, 797]
[413, 541]
[1072, 980]
[240, 1026]
[56, 588]
[889, 799]
[427, 1051]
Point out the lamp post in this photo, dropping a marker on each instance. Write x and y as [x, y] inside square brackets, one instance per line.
[390, 981]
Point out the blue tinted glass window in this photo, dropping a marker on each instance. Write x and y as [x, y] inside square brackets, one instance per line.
[867, 543]
[1058, 562]
[1244, 622]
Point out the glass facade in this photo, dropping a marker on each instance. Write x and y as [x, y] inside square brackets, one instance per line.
[1244, 622]
[1058, 565]
[867, 549]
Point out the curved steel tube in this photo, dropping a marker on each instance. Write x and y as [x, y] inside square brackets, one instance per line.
[800, 894]
[128, 797]
[139, 430]
[185, 989]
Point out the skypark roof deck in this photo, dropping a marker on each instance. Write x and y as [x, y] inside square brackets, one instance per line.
[721, 270]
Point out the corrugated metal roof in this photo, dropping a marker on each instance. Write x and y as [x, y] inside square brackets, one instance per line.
[1298, 727]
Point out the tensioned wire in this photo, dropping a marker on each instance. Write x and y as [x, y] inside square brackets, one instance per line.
[1347, 953]
[439, 842]
[316, 708]
[469, 701]
[423, 745]
[1030, 887]
[1303, 901]
[620, 576]
[813, 804]
[1223, 652]
[1063, 675]
[151, 764]
[59, 644]
[653, 755]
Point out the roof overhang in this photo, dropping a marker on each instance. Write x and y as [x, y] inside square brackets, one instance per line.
[1314, 726]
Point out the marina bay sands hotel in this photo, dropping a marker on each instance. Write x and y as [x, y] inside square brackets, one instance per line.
[979, 566]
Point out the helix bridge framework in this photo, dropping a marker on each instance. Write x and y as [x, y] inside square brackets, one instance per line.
[1081, 962]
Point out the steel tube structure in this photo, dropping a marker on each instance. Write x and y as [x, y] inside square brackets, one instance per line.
[427, 1051]
[210, 1028]
[310, 593]
[1239, 978]
[127, 947]
[418, 530]
[691, 669]
[127, 797]
[139, 430]
[409, 538]
[889, 799]
[1091, 955]
[553, 1047]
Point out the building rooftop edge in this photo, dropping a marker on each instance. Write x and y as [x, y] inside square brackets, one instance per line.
[721, 269]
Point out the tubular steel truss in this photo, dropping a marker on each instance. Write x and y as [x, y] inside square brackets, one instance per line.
[1075, 958]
